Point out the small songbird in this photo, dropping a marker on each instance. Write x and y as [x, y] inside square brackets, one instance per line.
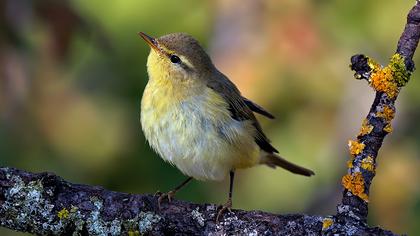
[195, 118]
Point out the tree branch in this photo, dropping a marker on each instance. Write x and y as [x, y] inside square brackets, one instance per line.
[387, 82]
[45, 204]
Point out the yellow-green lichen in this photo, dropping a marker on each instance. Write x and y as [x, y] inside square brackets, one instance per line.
[326, 223]
[368, 164]
[390, 78]
[350, 163]
[63, 214]
[355, 184]
[366, 128]
[355, 147]
[398, 68]
[373, 64]
[133, 233]
[388, 128]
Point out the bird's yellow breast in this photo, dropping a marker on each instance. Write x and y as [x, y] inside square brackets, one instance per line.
[190, 126]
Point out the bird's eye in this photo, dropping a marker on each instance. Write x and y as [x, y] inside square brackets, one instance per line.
[175, 59]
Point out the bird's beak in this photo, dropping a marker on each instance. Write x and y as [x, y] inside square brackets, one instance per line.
[151, 41]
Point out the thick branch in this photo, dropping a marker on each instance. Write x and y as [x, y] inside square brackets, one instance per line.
[46, 204]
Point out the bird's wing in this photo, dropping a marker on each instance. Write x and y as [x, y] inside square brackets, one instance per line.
[257, 108]
[239, 109]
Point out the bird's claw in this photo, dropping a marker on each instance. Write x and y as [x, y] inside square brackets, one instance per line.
[227, 206]
[157, 194]
[162, 196]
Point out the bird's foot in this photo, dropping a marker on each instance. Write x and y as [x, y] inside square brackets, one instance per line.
[223, 208]
[158, 193]
[162, 196]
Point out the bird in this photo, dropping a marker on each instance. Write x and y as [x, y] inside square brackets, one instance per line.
[196, 119]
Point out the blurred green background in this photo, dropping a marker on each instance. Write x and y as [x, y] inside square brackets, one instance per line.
[72, 75]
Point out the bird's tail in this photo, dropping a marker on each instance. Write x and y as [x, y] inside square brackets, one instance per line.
[274, 160]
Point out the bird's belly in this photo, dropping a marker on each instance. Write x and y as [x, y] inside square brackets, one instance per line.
[201, 147]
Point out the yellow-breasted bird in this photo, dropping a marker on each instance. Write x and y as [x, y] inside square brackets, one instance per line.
[195, 118]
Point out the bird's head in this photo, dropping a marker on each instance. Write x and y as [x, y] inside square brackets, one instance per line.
[177, 56]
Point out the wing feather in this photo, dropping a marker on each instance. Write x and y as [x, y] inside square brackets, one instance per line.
[257, 108]
[240, 109]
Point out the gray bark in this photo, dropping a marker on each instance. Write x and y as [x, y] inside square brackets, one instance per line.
[45, 204]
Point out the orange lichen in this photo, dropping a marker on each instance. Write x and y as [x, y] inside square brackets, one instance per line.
[326, 223]
[382, 80]
[388, 128]
[364, 197]
[346, 181]
[387, 113]
[366, 128]
[368, 164]
[355, 184]
[355, 147]
[389, 79]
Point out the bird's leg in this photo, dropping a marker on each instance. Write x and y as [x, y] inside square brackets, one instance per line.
[228, 204]
[169, 195]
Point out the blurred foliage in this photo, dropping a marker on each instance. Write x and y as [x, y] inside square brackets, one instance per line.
[72, 75]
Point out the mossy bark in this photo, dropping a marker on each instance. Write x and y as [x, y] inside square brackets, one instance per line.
[45, 204]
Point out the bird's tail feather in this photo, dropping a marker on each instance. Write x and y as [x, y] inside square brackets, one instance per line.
[274, 160]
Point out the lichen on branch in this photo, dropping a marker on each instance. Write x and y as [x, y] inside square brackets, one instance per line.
[45, 204]
[391, 78]
[387, 82]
